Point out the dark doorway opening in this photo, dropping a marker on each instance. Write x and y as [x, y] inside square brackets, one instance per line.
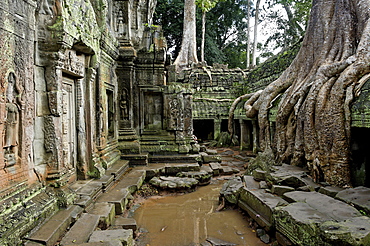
[203, 129]
[360, 147]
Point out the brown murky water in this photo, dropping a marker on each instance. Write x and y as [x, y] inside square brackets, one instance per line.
[189, 219]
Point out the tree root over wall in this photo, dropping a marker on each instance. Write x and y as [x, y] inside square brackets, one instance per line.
[313, 118]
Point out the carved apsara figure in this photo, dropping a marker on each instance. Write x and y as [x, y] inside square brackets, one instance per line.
[11, 134]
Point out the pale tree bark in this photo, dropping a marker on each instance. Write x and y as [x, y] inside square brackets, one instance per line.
[248, 63]
[188, 51]
[313, 118]
[203, 36]
[256, 17]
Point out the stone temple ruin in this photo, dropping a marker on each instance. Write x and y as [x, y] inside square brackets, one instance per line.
[87, 84]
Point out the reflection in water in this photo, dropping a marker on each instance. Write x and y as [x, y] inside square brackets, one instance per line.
[189, 219]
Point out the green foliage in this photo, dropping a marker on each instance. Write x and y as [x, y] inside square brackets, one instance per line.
[206, 5]
[288, 30]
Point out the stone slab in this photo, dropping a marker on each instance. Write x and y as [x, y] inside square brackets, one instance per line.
[359, 196]
[250, 182]
[120, 235]
[211, 158]
[260, 205]
[354, 231]
[126, 223]
[281, 189]
[335, 209]
[81, 230]
[92, 189]
[106, 213]
[118, 168]
[226, 170]
[49, 233]
[117, 196]
[216, 167]
[331, 191]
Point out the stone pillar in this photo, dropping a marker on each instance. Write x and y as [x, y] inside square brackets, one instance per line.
[255, 136]
[217, 128]
[245, 133]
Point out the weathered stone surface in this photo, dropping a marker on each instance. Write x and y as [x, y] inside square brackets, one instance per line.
[216, 167]
[120, 235]
[211, 158]
[250, 182]
[117, 196]
[211, 152]
[106, 213]
[329, 206]
[202, 176]
[301, 220]
[81, 230]
[280, 189]
[54, 228]
[231, 190]
[260, 205]
[173, 182]
[359, 196]
[331, 191]
[353, 231]
[291, 176]
[126, 223]
[259, 175]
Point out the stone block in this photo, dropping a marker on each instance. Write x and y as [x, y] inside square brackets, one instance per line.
[106, 213]
[49, 233]
[216, 167]
[231, 190]
[354, 231]
[226, 170]
[358, 196]
[259, 175]
[211, 152]
[117, 196]
[335, 209]
[260, 205]
[250, 182]
[211, 158]
[331, 191]
[120, 235]
[280, 189]
[81, 230]
[126, 223]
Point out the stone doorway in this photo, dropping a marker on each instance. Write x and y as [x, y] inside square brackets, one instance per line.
[69, 124]
[360, 146]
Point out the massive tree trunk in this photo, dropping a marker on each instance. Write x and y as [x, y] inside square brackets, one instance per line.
[313, 118]
[188, 51]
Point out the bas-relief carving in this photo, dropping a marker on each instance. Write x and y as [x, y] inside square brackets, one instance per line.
[12, 121]
[124, 104]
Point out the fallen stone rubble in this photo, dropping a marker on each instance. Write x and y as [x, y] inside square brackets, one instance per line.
[287, 203]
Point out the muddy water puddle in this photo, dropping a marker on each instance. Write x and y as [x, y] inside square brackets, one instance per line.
[189, 219]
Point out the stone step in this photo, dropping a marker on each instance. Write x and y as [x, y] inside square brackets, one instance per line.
[118, 168]
[136, 159]
[358, 196]
[51, 231]
[216, 168]
[126, 223]
[174, 158]
[106, 212]
[260, 205]
[125, 237]
[120, 194]
[81, 230]
[120, 197]
[92, 189]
